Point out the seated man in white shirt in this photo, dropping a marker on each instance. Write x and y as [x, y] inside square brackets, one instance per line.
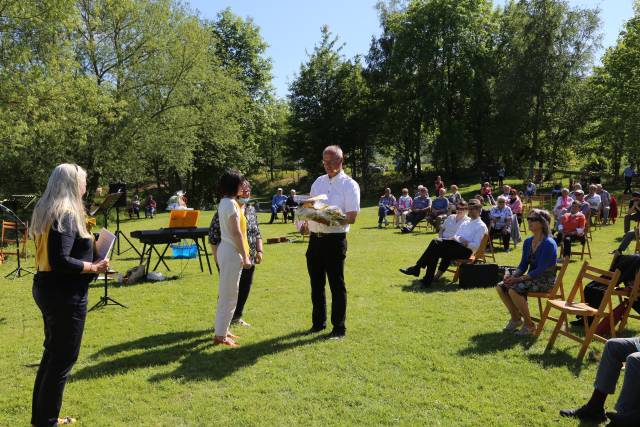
[461, 246]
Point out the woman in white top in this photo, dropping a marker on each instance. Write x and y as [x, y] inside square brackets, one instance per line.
[405, 203]
[453, 222]
[563, 204]
[232, 255]
[501, 217]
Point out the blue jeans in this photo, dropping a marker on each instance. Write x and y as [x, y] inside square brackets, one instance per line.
[383, 211]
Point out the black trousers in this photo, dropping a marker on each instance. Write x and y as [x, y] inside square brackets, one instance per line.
[566, 242]
[504, 234]
[414, 218]
[246, 279]
[325, 259]
[445, 249]
[64, 315]
[627, 184]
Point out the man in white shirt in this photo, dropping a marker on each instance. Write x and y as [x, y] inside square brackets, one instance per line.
[328, 244]
[461, 246]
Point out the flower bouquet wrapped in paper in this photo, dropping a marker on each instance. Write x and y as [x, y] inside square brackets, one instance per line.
[315, 209]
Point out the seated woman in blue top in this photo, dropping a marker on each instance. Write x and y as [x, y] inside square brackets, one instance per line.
[539, 254]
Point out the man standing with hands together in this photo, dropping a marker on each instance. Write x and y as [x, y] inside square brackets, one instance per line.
[328, 244]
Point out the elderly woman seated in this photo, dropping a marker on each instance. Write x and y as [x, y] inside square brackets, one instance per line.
[536, 273]
[501, 216]
[563, 204]
[403, 207]
[386, 206]
[515, 203]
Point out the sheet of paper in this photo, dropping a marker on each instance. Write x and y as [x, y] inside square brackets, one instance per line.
[104, 244]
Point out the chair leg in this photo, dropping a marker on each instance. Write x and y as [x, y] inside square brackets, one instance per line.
[556, 331]
[543, 319]
[456, 275]
[588, 338]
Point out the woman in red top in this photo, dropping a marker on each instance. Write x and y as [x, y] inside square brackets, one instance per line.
[438, 184]
[486, 193]
[571, 229]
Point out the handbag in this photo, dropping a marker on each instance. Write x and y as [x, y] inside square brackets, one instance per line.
[479, 275]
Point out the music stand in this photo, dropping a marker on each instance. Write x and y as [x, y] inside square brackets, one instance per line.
[104, 208]
[18, 271]
[106, 300]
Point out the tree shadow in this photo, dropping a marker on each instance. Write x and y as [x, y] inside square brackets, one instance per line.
[493, 342]
[3, 320]
[192, 350]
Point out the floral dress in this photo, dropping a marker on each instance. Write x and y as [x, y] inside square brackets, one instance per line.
[542, 283]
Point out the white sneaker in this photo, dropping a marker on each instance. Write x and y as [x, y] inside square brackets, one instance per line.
[513, 326]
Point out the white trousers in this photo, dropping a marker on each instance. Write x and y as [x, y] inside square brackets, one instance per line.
[230, 263]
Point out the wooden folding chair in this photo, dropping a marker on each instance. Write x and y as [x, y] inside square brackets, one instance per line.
[479, 255]
[4, 239]
[581, 308]
[537, 202]
[557, 292]
[623, 204]
[637, 230]
[630, 296]
[584, 248]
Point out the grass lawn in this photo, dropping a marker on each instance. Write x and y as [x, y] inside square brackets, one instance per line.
[411, 357]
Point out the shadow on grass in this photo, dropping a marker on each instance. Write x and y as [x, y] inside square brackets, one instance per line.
[558, 359]
[437, 286]
[493, 342]
[191, 349]
[3, 320]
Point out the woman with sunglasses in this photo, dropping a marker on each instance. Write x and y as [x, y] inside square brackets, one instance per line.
[536, 273]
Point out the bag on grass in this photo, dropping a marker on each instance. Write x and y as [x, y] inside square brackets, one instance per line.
[479, 275]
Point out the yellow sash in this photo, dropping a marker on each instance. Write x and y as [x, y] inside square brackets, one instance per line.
[243, 227]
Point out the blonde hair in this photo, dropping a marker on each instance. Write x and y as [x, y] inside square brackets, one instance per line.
[61, 198]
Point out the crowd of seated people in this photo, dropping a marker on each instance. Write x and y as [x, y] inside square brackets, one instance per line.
[439, 209]
[419, 210]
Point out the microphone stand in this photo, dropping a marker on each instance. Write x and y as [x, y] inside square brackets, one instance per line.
[18, 271]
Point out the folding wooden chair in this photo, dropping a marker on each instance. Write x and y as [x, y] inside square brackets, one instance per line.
[584, 248]
[581, 308]
[623, 204]
[4, 239]
[557, 292]
[537, 201]
[479, 255]
[630, 296]
[637, 230]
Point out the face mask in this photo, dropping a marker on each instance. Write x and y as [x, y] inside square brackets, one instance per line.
[243, 200]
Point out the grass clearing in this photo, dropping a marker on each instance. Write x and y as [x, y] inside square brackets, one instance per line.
[411, 357]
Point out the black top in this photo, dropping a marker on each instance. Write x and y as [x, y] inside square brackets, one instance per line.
[291, 202]
[66, 252]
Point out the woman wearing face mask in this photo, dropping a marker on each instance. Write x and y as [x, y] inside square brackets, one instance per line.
[254, 240]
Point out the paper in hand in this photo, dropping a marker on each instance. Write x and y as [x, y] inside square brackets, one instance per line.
[104, 244]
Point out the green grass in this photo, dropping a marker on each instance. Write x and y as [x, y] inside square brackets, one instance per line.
[411, 357]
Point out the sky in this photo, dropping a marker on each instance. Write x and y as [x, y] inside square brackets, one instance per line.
[292, 27]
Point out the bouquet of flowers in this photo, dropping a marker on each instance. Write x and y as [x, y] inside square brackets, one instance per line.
[314, 209]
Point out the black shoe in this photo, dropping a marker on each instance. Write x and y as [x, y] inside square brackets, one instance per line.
[315, 330]
[411, 271]
[336, 335]
[585, 413]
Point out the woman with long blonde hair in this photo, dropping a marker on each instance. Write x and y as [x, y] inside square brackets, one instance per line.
[65, 266]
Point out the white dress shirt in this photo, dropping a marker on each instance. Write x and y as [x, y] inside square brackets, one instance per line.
[451, 225]
[472, 231]
[342, 191]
